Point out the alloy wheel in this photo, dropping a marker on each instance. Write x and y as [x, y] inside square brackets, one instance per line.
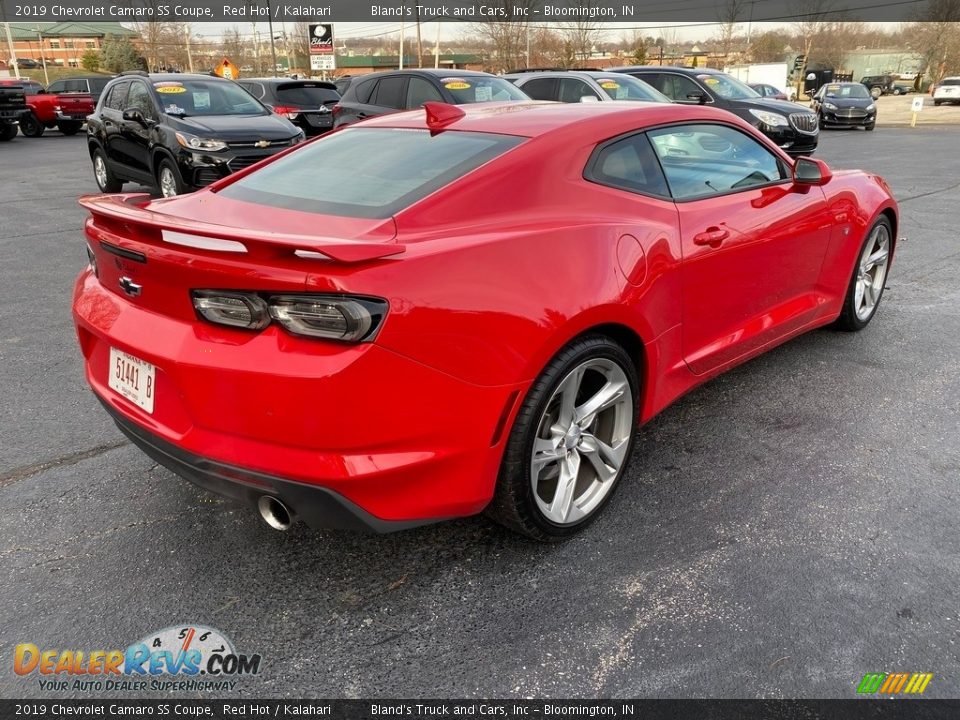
[168, 183]
[872, 272]
[582, 441]
[100, 171]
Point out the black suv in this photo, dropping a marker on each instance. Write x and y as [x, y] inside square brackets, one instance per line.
[879, 84]
[391, 91]
[180, 132]
[792, 127]
[308, 104]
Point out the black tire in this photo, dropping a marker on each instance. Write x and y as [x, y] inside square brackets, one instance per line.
[849, 321]
[106, 181]
[513, 504]
[69, 128]
[936, 103]
[30, 126]
[168, 165]
[869, 127]
[7, 132]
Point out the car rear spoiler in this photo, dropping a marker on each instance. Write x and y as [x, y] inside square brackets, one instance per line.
[129, 207]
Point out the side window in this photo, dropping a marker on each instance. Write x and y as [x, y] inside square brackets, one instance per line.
[72, 86]
[390, 93]
[141, 98]
[256, 89]
[118, 97]
[678, 87]
[704, 160]
[420, 91]
[572, 89]
[56, 87]
[541, 88]
[628, 164]
[364, 90]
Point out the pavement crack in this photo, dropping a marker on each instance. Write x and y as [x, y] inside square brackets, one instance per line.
[70, 459]
[928, 194]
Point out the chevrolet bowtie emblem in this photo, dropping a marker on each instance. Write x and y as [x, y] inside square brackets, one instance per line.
[262, 143]
[130, 287]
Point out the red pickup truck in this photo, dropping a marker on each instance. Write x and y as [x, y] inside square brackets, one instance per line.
[65, 111]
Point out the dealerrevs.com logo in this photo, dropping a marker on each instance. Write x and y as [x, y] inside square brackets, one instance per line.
[185, 658]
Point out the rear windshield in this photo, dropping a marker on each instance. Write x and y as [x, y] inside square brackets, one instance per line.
[477, 88]
[306, 94]
[368, 172]
[951, 81]
[624, 87]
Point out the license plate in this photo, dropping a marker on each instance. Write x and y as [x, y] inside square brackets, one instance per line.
[133, 378]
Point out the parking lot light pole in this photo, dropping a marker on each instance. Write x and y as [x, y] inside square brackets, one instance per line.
[13, 53]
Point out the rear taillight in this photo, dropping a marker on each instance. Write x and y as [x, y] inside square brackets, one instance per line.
[336, 109]
[241, 310]
[333, 317]
[290, 113]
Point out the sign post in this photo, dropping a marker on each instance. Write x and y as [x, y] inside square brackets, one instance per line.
[917, 107]
[322, 56]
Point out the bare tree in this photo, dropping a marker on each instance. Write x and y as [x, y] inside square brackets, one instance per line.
[583, 36]
[729, 16]
[937, 39]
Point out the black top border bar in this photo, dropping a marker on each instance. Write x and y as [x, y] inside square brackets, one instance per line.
[544, 12]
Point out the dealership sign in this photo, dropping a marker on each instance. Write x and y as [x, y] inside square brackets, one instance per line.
[321, 47]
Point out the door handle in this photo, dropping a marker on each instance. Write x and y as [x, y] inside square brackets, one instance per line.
[712, 236]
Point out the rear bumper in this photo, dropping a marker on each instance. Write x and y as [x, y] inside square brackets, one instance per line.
[312, 422]
[318, 507]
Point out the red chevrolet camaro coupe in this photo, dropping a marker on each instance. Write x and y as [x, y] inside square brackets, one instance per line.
[455, 309]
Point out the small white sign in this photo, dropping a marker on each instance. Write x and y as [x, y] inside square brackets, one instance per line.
[323, 62]
[917, 104]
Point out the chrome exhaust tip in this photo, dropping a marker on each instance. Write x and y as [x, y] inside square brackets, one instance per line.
[274, 513]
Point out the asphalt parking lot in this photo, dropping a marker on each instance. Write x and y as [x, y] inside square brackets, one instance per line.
[781, 531]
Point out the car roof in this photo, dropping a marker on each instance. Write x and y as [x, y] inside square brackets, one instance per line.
[280, 81]
[667, 68]
[533, 119]
[431, 72]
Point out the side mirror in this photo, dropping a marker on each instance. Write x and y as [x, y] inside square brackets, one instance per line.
[589, 98]
[134, 115]
[807, 171]
[697, 97]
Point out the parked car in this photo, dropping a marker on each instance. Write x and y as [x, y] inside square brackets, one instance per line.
[583, 86]
[67, 112]
[879, 84]
[769, 91]
[13, 106]
[848, 103]
[92, 84]
[388, 92]
[180, 132]
[308, 104]
[794, 129]
[342, 83]
[328, 345]
[947, 91]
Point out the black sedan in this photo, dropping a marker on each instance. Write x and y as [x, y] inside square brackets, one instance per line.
[308, 104]
[845, 104]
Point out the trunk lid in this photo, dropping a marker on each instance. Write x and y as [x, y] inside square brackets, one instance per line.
[153, 253]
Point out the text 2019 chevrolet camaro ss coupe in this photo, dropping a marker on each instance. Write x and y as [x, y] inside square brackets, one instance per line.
[444, 311]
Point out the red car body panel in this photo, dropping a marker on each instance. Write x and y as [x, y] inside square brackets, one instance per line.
[486, 279]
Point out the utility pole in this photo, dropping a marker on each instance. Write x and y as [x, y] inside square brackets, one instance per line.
[528, 47]
[256, 49]
[13, 53]
[419, 42]
[436, 48]
[43, 58]
[403, 31]
[189, 53]
[273, 48]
